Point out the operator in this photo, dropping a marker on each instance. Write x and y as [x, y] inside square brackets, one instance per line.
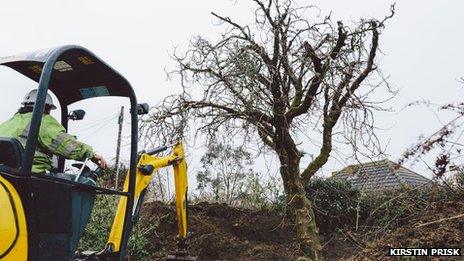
[52, 140]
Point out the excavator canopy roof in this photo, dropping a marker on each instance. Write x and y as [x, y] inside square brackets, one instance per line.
[77, 74]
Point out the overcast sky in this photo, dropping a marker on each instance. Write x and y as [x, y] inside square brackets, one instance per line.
[421, 46]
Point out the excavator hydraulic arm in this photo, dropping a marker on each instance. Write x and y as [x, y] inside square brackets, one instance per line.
[147, 166]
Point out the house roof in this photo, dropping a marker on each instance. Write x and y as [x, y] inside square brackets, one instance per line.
[381, 174]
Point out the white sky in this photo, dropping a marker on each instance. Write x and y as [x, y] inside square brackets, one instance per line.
[421, 46]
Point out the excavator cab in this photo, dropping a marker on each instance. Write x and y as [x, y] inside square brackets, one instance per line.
[44, 215]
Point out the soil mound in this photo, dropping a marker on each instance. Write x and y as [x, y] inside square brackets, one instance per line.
[221, 232]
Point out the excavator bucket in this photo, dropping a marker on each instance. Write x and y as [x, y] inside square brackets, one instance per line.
[181, 253]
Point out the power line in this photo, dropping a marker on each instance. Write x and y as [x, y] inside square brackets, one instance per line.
[100, 128]
[97, 123]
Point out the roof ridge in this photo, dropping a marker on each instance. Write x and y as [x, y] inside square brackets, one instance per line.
[357, 167]
[407, 169]
[367, 163]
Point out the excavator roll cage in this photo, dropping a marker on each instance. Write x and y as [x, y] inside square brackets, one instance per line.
[72, 73]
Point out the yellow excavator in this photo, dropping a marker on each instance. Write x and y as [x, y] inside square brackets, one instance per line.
[43, 216]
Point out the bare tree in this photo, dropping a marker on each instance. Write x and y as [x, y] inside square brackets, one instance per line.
[276, 82]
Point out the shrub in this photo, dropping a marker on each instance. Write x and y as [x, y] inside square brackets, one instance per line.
[390, 209]
[97, 230]
[260, 194]
[338, 205]
[138, 242]
[334, 201]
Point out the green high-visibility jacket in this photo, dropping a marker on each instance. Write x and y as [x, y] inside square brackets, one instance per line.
[53, 140]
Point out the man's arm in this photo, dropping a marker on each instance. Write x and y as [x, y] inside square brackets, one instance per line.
[53, 138]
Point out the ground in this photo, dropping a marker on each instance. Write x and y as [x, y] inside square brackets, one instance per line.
[439, 232]
[221, 232]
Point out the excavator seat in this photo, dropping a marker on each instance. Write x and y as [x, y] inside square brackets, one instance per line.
[11, 153]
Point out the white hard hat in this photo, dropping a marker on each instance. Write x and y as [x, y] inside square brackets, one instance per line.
[30, 98]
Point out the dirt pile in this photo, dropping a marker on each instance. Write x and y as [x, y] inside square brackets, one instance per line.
[222, 232]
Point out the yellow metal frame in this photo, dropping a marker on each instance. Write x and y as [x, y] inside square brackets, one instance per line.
[175, 159]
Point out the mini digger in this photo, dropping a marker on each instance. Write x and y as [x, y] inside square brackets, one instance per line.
[43, 216]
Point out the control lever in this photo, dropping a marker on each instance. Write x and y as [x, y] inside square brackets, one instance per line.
[82, 169]
[95, 174]
[85, 171]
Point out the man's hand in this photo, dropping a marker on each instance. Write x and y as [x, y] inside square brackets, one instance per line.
[100, 161]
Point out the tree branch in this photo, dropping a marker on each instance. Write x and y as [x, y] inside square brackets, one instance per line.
[332, 118]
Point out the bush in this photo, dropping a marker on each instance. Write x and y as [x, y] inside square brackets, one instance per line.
[335, 202]
[261, 194]
[97, 230]
[390, 209]
[338, 205]
[138, 242]
[393, 208]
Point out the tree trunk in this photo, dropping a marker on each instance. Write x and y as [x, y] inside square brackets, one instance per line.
[307, 232]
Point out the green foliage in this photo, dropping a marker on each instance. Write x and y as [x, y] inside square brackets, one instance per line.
[137, 245]
[257, 195]
[98, 229]
[225, 172]
[261, 194]
[108, 179]
[227, 176]
[335, 203]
